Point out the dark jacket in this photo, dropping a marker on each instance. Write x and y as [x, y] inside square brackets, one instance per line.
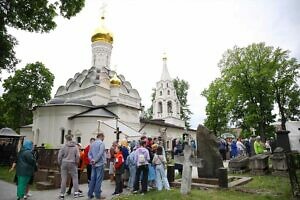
[26, 164]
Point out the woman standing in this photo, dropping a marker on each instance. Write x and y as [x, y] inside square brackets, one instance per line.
[26, 165]
[159, 160]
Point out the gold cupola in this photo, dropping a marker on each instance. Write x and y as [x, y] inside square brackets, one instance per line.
[102, 33]
[115, 81]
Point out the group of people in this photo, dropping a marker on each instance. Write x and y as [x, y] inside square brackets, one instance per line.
[142, 162]
[231, 148]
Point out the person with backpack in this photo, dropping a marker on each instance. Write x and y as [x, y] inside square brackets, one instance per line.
[131, 163]
[159, 160]
[119, 170]
[142, 160]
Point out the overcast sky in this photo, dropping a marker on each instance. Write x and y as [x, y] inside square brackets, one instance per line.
[193, 33]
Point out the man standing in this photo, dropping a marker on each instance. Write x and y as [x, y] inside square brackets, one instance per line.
[68, 159]
[97, 160]
[258, 146]
[87, 161]
[142, 158]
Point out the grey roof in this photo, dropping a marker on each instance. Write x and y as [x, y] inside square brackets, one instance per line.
[56, 101]
[8, 132]
[80, 101]
[95, 112]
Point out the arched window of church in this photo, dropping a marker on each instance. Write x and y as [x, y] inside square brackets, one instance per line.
[160, 93]
[159, 107]
[169, 107]
[167, 85]
[78, 139]
[168, 144]
[168, 92]
[62, 136]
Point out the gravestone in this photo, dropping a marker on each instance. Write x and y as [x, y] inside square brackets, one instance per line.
[188, 162]
[279, 162]
[259, 164]
[239, 164]
[207, 149]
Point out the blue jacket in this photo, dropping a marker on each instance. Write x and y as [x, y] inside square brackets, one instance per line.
[97, 153]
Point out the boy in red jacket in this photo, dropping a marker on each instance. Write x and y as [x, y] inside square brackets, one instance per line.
[119, 168]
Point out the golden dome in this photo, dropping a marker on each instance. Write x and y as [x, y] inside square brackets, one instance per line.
[115, 81]
[102, 34]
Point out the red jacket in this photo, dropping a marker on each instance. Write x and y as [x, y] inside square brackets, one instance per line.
[119, 160]
[86, 159]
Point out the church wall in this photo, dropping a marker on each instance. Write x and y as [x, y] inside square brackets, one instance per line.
[27, 132]
[48, 123]
[126, 114]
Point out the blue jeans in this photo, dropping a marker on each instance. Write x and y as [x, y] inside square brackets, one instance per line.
[132, 172]
[96, 181]
[161, 178]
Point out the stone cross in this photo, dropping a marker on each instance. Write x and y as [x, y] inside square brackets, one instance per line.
[188, 163]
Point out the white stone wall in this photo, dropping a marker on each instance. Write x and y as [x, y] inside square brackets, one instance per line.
[49, 121]
[27, 132]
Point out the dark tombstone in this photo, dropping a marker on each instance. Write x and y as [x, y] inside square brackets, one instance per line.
[252, 140]
[207, 149]
[223, 177]
[170, 173]
[283, 140]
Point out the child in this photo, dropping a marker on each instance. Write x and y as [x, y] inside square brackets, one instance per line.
[119, 169]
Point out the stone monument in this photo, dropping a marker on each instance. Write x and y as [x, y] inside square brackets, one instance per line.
[207, 149]
[188, 162]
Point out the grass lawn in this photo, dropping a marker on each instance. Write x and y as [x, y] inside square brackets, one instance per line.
[260, 188]
[5, 175]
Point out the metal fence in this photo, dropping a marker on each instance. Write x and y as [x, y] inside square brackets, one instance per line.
[293, 162]
[48, 158]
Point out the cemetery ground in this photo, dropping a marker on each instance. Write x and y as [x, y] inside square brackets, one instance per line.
[260, 188]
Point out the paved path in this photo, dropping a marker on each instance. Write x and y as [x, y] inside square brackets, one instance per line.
[8, 192]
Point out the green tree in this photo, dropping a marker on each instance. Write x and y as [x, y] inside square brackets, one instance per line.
[181, 86]
[30, 15]
[29, 87]
[248, 72]
[148, 114]
[286, 89]
[217, 106]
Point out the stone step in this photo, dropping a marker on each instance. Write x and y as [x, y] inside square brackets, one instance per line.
[44, 185]
[51, 179]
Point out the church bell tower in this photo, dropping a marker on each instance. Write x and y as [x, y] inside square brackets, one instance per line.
[166, 105]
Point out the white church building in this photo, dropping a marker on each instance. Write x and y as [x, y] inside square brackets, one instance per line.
[100, 100]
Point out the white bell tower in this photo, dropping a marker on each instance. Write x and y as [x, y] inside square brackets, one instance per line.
[166, 105]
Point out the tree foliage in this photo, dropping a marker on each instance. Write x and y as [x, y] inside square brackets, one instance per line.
[29, 87]
[217, 107]
[181, 86]
[30, 15]
[256, 78]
